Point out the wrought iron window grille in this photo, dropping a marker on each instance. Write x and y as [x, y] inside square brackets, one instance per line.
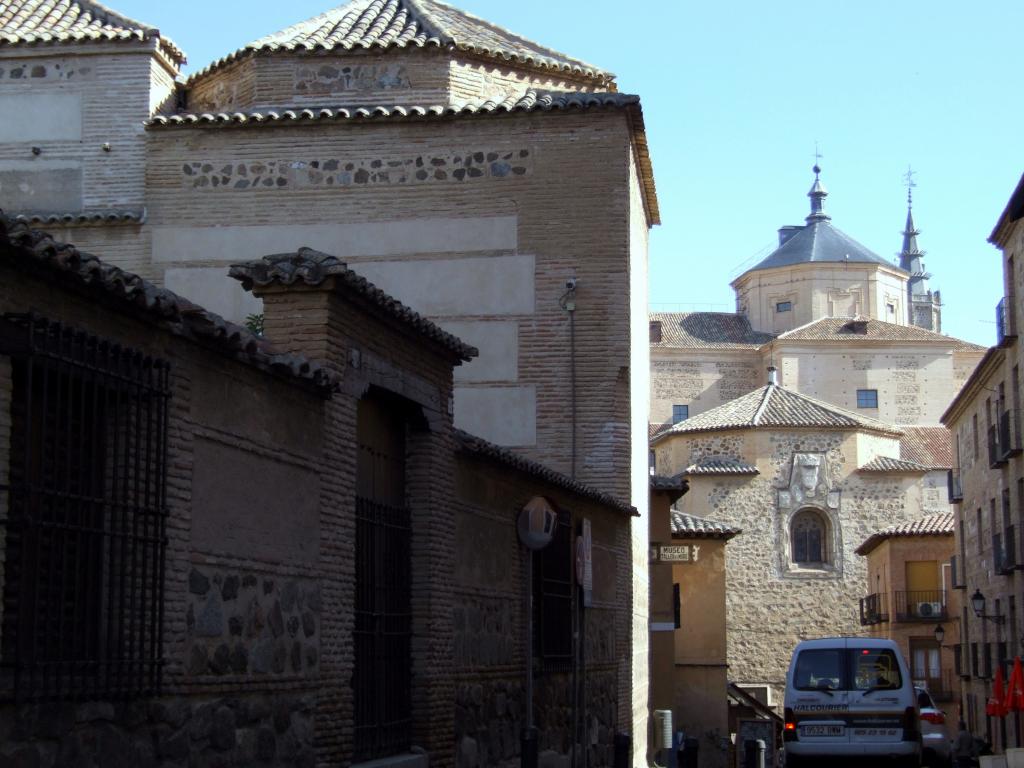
[83, 513]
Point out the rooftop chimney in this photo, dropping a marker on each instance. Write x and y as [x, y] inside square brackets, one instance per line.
[655, 331]
[787, 232]
[773, 377]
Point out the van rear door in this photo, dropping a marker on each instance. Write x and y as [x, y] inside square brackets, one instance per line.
[820, 695]
[878, 695]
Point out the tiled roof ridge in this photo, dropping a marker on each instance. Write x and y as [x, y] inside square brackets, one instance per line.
[685, 525]
[106, 216]
[486, 449]
[532, 100]
[892, 464]
[32, 22]
[759, 413]
[312, 267]
[936, 524]
[720, 465]
[866, 421]
[925, 333]
[174, 313]
[384, 24]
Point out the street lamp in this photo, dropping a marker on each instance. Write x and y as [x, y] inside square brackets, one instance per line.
[940, 634]
[978, 604]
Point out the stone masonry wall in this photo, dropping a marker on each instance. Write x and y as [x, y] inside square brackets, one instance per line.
[489, 623]
[770, 603]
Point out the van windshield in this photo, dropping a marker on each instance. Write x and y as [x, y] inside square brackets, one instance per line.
[841, 669]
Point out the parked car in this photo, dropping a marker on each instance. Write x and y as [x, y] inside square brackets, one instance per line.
[936, 743]
[852, 698]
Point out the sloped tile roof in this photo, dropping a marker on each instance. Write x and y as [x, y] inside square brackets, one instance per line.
[693, 527]
[940, 524]
[719, 466]
[664, 483]
[531, 101]
[773, 406]
[41, 22]
[84, 218]
[931, 447]
[388, 24]
[312, 267]
[849, 330]
[31, 249]
[707, 330]
[503, 456]
[889, 465]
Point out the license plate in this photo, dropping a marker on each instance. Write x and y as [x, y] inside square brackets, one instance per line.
[821, 730]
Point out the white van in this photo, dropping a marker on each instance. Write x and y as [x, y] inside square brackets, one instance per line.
[850, 697]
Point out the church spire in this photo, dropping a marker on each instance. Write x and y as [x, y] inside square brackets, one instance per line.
[910, 233]
[923, 304]
[817, 194]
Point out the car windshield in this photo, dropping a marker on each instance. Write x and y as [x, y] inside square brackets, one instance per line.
[834, 669]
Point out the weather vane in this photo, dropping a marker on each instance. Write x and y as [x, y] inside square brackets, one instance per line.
[908, 181]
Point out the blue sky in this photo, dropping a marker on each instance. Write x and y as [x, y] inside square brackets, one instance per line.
[735, 95]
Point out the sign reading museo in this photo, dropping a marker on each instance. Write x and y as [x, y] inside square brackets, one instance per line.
[679, 553]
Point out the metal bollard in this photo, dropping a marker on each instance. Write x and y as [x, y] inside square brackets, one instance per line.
[621, 750]
[754, 753]
[528, 748]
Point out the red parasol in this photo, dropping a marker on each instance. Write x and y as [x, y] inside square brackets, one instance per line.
[1014, 701]
[994, 706]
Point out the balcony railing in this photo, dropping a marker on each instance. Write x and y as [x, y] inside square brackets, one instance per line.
[940, 686]
[996, 457]
[873, 609]
[956, 488]
[1004, 550]
[956, 572]
[1006, 328]
[1009, 433]
[921, 605]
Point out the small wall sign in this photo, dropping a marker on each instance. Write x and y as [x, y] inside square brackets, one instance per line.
[679, 553]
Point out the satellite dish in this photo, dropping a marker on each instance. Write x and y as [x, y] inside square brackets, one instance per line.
[536, 523]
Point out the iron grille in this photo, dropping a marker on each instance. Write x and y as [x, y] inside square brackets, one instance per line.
[85, 515]
[553, 582]
[382, 679]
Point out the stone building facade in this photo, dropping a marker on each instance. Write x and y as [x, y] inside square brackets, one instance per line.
[195, 592]
[500, 188]
[987, 491]
[806, 482]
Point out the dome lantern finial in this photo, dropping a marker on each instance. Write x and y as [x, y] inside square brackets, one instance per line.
[817, 194]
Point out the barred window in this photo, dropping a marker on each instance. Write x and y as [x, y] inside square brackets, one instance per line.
[552, 600]
[84, 529]
[808, 538]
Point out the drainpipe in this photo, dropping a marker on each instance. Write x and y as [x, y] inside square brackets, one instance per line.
[568, 303]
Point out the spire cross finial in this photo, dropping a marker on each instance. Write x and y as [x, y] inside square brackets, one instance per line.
[817, 159]
[908, 181]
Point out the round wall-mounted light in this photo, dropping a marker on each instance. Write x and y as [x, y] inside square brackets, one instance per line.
[940, 634]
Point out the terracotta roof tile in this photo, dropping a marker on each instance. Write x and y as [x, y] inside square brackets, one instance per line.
[531, 101]
[312, 267]
[693, 527]
[707, 330]
[849, 330]
[929, 446]
[388, 24]
[40, 22]
[940, 524]
[774, 406]
[29, 248]
[719, 466]
[84, 218]
[496, 453]
[889, 465]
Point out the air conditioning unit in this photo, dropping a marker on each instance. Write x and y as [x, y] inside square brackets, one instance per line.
[927, 609]
[762, 693]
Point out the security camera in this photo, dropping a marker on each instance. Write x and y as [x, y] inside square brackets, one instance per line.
[570, 284]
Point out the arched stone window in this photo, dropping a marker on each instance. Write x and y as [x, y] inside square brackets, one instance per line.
[809, 538]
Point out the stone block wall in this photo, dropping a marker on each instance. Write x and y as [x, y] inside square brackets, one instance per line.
[771, 604]
[489, 627]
